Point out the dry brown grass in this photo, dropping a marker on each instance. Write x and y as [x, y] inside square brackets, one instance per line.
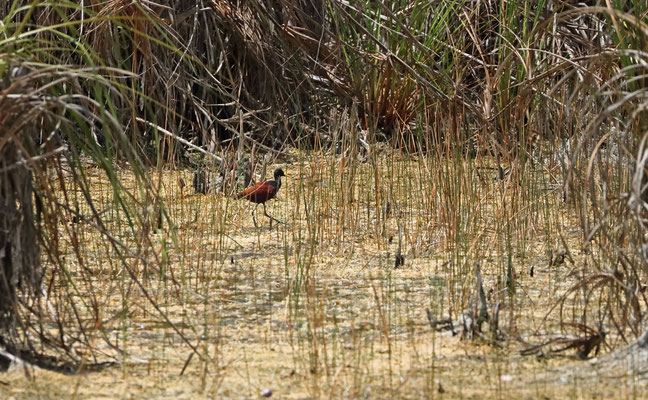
[315, 308]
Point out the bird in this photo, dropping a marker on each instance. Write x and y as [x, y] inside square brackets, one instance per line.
[262, 192]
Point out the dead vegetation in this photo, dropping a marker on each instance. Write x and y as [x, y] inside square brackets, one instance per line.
[460, 169]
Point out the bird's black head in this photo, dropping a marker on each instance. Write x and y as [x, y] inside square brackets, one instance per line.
[279, 173]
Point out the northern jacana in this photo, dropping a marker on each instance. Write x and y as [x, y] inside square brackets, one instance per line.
[262, 192]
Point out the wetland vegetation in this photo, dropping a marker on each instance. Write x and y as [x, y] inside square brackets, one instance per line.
[464, 218]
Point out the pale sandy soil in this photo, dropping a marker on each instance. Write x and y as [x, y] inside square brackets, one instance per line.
[315, 309]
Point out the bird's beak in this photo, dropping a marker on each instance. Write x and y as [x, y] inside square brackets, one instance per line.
[287, 176]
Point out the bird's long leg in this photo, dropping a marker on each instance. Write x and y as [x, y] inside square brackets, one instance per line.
[253, 217]
[270, 216]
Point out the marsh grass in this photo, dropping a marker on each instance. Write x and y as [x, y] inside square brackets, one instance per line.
[504, 135]
[315, 308]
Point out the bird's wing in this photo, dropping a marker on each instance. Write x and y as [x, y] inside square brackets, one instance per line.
[250, 190]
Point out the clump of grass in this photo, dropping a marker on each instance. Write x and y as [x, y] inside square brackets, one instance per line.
[509, 127]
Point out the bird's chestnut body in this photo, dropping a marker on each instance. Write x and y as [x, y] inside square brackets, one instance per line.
[262, 192]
